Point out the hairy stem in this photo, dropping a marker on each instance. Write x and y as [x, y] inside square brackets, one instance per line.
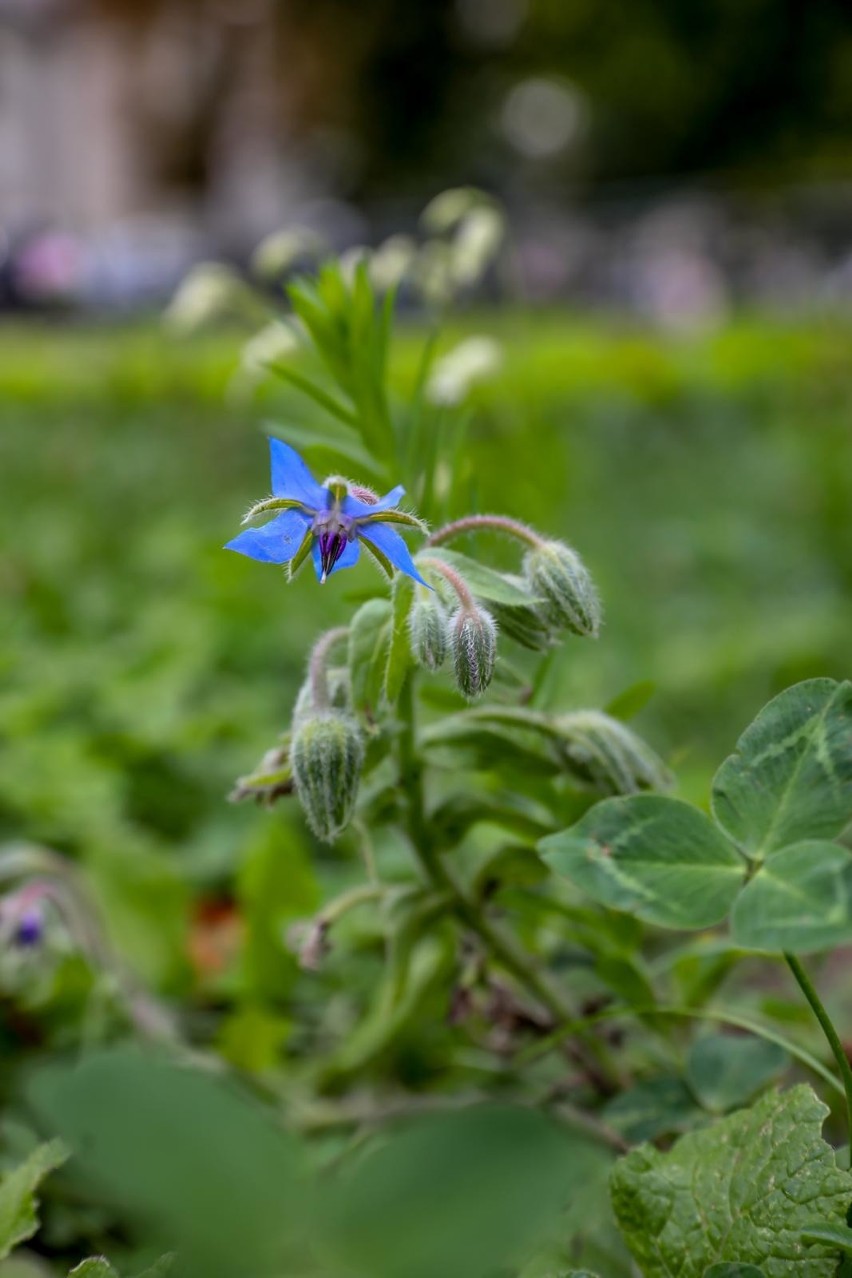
[832, 1038]
[318, 665]
[500, 943]
[455, 579]
[497, 523]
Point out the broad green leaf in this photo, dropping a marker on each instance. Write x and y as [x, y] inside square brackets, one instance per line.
[790, 777]
[93, 1267]
[732, 1269]
[483, 581]
[18, 1201]
[800, 900]
[725, 1071]
[741, 1190]
[369, 634]
[654, 857]
[186, 1154]
[654, 1107]
[400, 660]
[837, 1236]
[460, 1195]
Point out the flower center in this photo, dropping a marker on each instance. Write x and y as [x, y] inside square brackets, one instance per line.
[333, 531]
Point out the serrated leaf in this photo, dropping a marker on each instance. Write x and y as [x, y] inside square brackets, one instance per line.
[800, 900]
[725, 1072]
[654, 857]
[400, 660]
[18, 1202]
[739, 1191]
[790, 777]
[369, 634]
[483, 581]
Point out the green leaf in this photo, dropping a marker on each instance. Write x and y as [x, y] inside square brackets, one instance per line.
[483, 581]
[399, 651]
[800, 900]
[460, 1195]
[369, 635]
[740, 1190]
[725, 1071]
[837, 1236]
[628, 703]
[655, 1107]
[732, 1269]
[18, 1202]
[790, 777]
[207, 1168]
[93, 1267]
[655, 857]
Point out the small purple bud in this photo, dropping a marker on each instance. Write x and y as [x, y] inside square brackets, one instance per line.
[29, 928]
[332, 546]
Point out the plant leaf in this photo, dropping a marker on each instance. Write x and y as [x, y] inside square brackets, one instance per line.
[733, 1269]
[790, 777]
[800, 900]
[483, 581]
[400, 660]
[725, 1072]
[369, 634]
[655, 857]
[741, 1190]
[18, 1202]
[837, 1236]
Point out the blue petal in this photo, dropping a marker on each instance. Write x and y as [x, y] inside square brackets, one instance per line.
[291, 477]
[355, 507]
[346, 560]
[389, 542]
[277, 541]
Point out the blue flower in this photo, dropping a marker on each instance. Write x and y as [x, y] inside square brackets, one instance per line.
[329, 521]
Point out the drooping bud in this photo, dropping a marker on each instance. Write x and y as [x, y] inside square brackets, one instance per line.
[473, 641]
[605, 753]
[525, 623]
[326, 756]
[556, 574]
[427, 626]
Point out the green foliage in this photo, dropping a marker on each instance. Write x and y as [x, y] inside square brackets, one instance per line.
[790, 777]
[18, 1200]
[659, 858]
[800, 901]
[742, 1190]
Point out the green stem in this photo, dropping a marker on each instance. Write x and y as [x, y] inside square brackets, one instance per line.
[500, 943]
[833, 1039]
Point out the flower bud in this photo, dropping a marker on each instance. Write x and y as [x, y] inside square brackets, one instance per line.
[326, 755]
[556, 574]
[473, 641]
[608, 755]
[427, 627]
[525, 623]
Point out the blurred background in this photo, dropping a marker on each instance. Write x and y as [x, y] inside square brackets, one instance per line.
[671, 158]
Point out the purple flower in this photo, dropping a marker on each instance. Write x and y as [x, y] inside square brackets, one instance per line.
[329, 521]
[29, 927]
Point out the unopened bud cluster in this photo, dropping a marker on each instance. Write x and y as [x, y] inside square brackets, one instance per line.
[327, 755]
[556, 575]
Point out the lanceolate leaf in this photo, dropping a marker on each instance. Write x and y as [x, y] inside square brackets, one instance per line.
[483, 581]
[741, 1190]
[801, 900]
[654, 857]
[369, 634]
[790, 777]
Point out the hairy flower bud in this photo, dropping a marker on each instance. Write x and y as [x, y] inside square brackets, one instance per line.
[473, 641]
[326, 755]
[556, 574]
[427, 626]
[606, 754]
